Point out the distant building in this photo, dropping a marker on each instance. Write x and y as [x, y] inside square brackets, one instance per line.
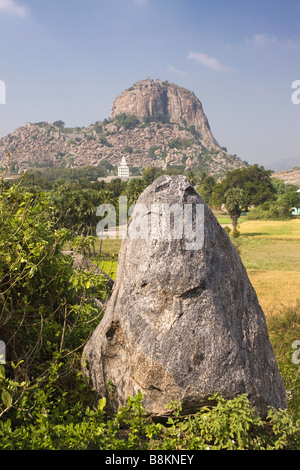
[123, 169]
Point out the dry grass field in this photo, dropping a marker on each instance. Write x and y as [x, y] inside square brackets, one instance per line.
[270, 251]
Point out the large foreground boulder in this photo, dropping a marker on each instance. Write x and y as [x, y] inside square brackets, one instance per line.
[184, 321]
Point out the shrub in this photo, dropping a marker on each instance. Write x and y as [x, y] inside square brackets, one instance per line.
[45, 420]
[127, 121]
[270, 211]
[60, 124]
[236, 233]
[47, 313]
[103, 140]
[180, 143]
[159, 117]
[47, 308]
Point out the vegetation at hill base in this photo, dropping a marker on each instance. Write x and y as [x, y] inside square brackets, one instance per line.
[48, 311]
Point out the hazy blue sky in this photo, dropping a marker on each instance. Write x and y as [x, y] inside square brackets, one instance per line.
[69, 59]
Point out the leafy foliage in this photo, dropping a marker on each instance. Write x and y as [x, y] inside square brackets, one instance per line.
[159, 117]
[47, 313]
[234, 200]
[60, 124]
[47, 308]
[180, 143]
[127, 121]
[271, 211]
[254, 181]
[45, 421]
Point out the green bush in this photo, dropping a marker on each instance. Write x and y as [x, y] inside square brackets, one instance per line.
[180, 143]
[127, 121]
[45, 420]
[159, 117]
[236, 233]
[284, 330]
[277, 210]
[47, 308]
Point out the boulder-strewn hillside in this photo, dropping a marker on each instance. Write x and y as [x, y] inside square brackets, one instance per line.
[290, 176]
[152, 124]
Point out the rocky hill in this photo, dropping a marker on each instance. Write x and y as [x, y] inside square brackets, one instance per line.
[153, 98]
[153, 123]
[290, 176]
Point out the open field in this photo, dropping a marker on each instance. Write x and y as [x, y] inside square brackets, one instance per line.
[270, 251]
[224, 219]
[280, 230]
[276, 290]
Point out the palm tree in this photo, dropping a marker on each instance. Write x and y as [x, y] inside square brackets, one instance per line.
[134, 189]
[206, 186]
[234, 201]
[193, 178]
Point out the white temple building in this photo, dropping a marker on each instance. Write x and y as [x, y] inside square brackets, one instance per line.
[123, 169]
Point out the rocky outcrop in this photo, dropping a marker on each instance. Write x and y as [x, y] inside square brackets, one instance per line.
[289, 176]
[183, 322]
[182, 137]
[151, 98]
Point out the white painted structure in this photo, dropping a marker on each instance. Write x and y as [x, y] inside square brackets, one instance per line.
[123, 169]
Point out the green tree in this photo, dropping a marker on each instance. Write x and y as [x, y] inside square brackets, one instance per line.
[150, 174]
[255, 181]
[134, 189]
[34, 181]
[193, 177]
[234, 202]
[180, 143]
[292, 198]
[59, 124]
[116, 186]
[205, 187]
[127, 121]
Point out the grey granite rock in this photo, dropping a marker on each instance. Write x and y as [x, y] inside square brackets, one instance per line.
[183, 324]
